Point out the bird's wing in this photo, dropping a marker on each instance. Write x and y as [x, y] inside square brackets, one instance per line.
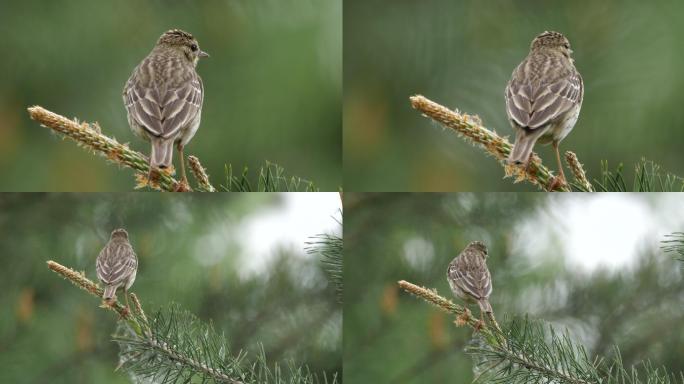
[163, 108]
[534, 104]
[486, 283]
[116, 262]
[476, 282]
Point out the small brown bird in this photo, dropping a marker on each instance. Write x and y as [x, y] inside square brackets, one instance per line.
[469, 277]
[164, 96]
[116, 266]
[543, 98]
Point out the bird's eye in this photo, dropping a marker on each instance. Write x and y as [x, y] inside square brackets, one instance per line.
[566, 45]
[193, 47]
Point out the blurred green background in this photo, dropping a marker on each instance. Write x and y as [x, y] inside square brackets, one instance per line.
[588, 263]
[206, 253]
[461, 55]
[272, 86]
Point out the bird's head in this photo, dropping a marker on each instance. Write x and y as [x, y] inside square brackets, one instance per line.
[182, 43]
[550, 41]
[478, 247]
[119, 234]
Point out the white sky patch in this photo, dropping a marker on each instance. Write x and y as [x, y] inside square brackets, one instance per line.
[599, 230]
[606, 230]
[287, 226]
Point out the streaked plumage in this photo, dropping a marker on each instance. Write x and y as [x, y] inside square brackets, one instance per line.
[164, 95]
[469, 277]
[116, 265]
[543, 97]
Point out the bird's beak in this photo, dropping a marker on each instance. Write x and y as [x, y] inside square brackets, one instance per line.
[203, 54]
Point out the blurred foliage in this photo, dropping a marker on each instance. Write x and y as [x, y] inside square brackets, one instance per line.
[273, 85]
[392, 337]
[189, 250]
[462, 53]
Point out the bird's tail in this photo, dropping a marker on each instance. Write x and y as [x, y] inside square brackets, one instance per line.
[485, 306]
[162, 152]
[109, 295]
[524, 143]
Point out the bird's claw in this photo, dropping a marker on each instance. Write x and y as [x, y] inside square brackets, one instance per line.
[124, 313]
[182, 186]
[462, 319]
[557, 182]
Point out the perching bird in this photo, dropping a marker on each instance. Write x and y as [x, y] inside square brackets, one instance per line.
[164, 95]
[469, 277]
[543, 98]
[116, 266]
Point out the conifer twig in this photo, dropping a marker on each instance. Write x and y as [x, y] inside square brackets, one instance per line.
[578, 171]
[270, 178]
[463, 314]
[472, 129]
[79, 280]
[139, 311]
[91, 137]
[200, 174]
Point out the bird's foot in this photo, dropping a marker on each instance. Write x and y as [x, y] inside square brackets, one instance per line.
[462, 319]
[124, 313]
[182, 186]
[107, 303]
[557, 183]
[479, 325]
[153, 176]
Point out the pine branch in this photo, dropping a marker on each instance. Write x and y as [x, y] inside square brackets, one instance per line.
[79, 280]
[463, 314]
[330, 250]
[177, 347]
[533, 352]
[674, 243]
[91, 137]
[471, 128]
[648, 176]
[270, 178]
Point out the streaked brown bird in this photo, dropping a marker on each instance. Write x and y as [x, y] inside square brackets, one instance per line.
[116, 266]
[469, 277]
[543, 98]
[164, 96]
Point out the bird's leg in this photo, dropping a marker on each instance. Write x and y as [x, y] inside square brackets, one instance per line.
[559, 180]
[527, 163]
[481, 323]
[182, 164]
[183, 185]
[558, 160]
[128, 309]
[153, 175]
